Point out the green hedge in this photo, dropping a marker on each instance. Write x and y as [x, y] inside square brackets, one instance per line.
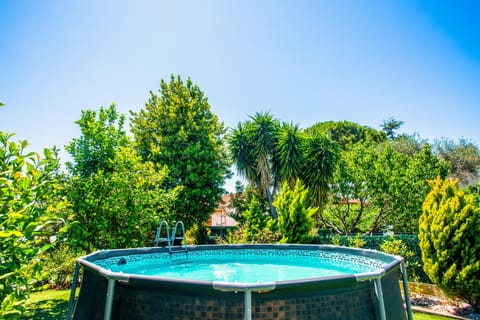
[414, 263]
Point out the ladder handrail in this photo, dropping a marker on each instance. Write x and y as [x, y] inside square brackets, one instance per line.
[174, 234]
[159, 232]
[171, 237]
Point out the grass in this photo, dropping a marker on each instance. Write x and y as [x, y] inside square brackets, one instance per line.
[48, 305]
[424, 316]
[53, 304]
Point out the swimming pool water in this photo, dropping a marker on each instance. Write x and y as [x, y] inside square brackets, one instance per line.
[241, 269]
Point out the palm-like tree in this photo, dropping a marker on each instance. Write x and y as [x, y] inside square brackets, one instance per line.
[267, 154]
[289, 153]
[320, 155]
[252, 146]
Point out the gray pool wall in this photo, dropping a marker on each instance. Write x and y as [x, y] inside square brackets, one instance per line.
[338, 297]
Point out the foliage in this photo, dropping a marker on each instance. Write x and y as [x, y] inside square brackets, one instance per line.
[389, 126]
[233, 236]
[198, 234]
[59, 265]
[463, 157]
[295, 217]
[102, 134]
[375, 186]
[396, 247]
[413, 260]
[289, 152]
[357, 241]
[31, 211]
[256, 219]
[253, 147]
[120, 202]
[241, 200]
[347, 133]
[320, 156]
[405, 245]
[177, 129]
[267, 153]
[122, 208]
[449, 229]
[408, 144]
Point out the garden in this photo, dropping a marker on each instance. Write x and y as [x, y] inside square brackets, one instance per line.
[337, 183]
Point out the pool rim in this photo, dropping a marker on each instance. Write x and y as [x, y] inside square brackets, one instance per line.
[88, 261]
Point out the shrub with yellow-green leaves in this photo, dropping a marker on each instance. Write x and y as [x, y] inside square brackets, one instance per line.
[449, 235]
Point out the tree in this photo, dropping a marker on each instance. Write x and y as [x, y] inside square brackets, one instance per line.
[253, 147]
[117, 199]
[389, 126]
[408, 144]
[121, 208]
[319, 158]
[295, 219]
[268, 153]
[376, 186]
[256, 219]
[177, 129]
[102, 134]
[348, 208]
[448, 234]
[31, 211]
[289, 153]
[463, 157]
[347, 133]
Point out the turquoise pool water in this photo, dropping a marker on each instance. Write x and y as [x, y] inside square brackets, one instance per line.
[241, 268]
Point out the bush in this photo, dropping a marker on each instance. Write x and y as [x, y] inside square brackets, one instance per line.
[356, 242]
[450, 243]
[295, 220]
[59, 267]
[409, 241]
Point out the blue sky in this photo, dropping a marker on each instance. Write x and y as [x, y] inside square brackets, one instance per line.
[304, 61]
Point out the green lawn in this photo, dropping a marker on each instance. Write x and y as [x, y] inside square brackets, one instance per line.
[424, 316]
[48, 305]
[52, 305]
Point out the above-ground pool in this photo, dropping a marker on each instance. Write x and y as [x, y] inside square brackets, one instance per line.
[240, 282]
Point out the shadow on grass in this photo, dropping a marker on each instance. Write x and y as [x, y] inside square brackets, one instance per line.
[48, 310]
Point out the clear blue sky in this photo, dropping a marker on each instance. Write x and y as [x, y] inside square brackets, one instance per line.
[305, 61]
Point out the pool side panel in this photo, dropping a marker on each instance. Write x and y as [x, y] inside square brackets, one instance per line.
[137, 297]
[136, 301]
[344, 299]
[91, 299]
[392, 296]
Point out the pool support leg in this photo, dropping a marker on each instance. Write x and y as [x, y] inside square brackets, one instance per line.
[403, 270]
[248, 305]
[379, 294]
[108, 303]
[72, 291]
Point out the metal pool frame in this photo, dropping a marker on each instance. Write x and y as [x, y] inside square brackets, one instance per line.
[390, 264]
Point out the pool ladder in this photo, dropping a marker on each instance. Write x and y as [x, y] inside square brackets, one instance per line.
[171, 237]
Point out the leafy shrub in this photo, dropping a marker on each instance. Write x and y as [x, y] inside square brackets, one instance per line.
[294, 216]
[31, 208]
[356, 242]
[396, 247]
[198, 234]
[449, 239]
[413, 262]
[59, 267]
[410, 241]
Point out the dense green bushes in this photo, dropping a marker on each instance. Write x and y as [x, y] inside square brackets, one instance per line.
[31, 212]
[405, 245]
[450, 240]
